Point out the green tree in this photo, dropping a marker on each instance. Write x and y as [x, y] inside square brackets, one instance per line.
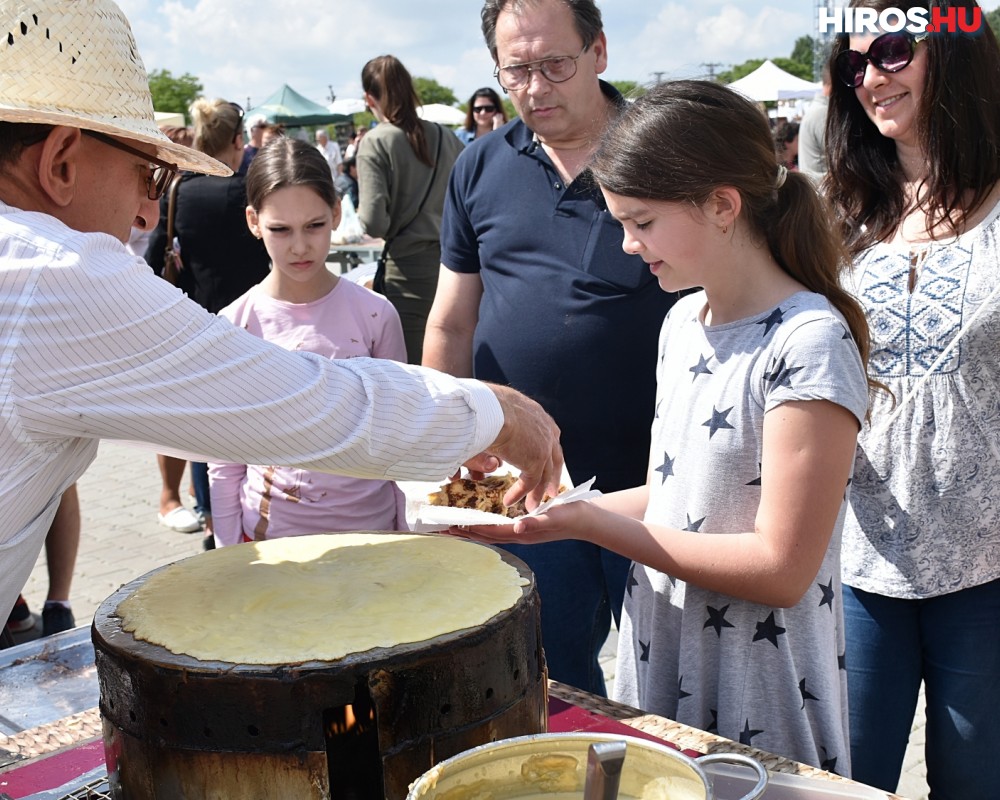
[430, 91]
[174, 94]
[802, 52]
[630, 89]
[993, 18]
[739, 71]
[804, 71]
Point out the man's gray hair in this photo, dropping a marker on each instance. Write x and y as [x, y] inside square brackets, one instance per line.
[586, 18]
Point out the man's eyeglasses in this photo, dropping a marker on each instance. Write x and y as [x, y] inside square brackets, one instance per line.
[555, 70]
[160, 172]
[484, 109]
[239, 122]
[890, 52]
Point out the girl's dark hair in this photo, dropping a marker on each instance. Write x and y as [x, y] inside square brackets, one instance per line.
[586, 19]
[959, 133]
[493, 97]
[289, 162]
[388, 81]
[682, 140]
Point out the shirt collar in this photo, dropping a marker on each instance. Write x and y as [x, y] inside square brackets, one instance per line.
[523, 138]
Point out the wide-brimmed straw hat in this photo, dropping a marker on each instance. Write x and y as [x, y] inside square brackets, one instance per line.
[75, 63]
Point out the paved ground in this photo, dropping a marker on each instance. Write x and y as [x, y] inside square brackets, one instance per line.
[122, 540]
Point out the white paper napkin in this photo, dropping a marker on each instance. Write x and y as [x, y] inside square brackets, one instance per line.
[428, 518]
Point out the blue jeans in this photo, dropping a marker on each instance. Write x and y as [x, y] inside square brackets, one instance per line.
[202, 497]
[581, 587]
[952, 643]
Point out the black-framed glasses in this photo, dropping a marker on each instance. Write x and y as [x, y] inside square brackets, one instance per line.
[491, 109]
[239, 122]
[557, 69]
[890, 52]
[160, 172]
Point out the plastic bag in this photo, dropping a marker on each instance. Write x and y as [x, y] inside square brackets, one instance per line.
[349, 231]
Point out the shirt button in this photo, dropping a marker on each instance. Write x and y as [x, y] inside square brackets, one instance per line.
[557, 185]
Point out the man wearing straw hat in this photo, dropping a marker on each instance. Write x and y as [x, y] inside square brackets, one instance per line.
[93, 345]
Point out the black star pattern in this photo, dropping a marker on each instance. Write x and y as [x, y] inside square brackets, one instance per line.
[693, 525]
[631, 580]
[713, 726]
[842, 661]
[717, 619]
[781, 374]
[828, 594]
[701, 368]
[666, 469]
[681, 694]
[768, 629]
[805, 693]
[755, 481]
[829, 764]
[775, 318]
[748, 733]
[644, 656]
[718, 421]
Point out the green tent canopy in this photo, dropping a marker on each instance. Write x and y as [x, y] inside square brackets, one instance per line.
[288, 107]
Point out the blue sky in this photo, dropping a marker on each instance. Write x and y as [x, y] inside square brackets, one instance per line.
[242, 49]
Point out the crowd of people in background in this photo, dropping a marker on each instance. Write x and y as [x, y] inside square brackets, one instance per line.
[772, 343]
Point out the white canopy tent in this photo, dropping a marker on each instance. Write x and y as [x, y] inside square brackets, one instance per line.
[442, 114]
[347, 106]
[771, 82]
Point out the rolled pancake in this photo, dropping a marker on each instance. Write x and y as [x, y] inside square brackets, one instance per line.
[320, 597]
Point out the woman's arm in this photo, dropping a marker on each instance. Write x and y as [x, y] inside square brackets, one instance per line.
[373, 188]
[807, 459]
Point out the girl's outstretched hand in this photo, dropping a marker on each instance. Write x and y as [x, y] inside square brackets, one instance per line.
[569, 521]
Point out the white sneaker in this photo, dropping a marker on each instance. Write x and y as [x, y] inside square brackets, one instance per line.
[181, 519]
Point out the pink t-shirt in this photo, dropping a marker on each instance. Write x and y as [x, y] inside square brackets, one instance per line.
[268, 502]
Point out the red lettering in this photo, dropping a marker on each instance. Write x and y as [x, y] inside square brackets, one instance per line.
[955, 20]
[942, 19]
[970, 26]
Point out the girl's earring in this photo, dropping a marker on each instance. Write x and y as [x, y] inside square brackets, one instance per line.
[725, 229]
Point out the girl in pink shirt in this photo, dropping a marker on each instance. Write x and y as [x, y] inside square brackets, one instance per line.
[301, 305]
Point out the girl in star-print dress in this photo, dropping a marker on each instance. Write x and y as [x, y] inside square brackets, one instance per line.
[733, 620]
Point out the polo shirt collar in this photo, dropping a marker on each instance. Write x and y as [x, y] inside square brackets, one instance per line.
[523, 138]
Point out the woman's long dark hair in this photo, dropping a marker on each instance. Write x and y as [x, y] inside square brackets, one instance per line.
[388, 81]
[493, 97]
[959, 133]
[682, 140]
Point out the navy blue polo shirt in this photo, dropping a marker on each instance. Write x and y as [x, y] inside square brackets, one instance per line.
[566, 316]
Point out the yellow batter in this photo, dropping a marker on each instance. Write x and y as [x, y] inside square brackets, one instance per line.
[306, 598]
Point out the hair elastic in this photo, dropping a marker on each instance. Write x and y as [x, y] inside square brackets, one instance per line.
[782, 174]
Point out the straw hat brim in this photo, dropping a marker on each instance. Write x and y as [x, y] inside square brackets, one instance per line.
[186, 158]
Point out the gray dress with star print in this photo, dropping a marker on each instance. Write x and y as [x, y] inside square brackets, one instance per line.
[768, 677]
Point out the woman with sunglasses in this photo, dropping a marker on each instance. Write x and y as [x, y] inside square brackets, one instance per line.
[486, 113]
[914, 138]
[221, 258]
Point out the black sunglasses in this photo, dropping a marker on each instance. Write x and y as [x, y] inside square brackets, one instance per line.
[239, 122]
[160, 172]
[890, 52]
[484, 109]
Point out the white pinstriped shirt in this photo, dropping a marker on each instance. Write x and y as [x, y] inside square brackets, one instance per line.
[93, 345]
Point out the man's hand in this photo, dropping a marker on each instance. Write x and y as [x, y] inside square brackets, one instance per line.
[529, 440]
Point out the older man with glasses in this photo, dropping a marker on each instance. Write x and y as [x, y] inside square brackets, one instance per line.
[536, 292]
[96, 346]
